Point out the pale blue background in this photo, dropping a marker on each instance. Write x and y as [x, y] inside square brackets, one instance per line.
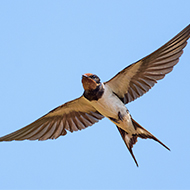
[45, 47]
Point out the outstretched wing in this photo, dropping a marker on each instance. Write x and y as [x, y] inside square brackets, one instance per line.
[136, 79]
[71, 116]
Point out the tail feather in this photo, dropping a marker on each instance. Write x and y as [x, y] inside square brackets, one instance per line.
[144, 134]
[131, 139]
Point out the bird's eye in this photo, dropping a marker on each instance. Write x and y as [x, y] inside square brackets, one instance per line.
[93, 76]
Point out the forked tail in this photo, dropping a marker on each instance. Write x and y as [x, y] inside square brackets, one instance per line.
[131, 139]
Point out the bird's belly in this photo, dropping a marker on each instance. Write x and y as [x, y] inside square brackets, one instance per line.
[111, 107]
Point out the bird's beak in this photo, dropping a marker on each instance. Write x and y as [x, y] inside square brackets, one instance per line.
[84, 76]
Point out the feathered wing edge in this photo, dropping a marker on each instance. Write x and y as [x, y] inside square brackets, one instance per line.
[71, 116]
[138, 78]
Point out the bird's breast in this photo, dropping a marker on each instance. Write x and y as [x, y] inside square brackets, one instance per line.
[109, 104]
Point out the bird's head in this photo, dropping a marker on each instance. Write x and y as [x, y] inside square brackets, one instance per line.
[90, 81]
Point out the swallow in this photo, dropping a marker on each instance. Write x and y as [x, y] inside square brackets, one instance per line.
[108, 99]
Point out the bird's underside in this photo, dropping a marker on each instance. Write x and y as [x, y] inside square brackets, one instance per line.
[129, 84]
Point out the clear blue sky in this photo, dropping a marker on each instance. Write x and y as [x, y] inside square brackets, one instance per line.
[45, 47]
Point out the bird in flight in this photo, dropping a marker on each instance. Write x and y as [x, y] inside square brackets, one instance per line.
[108, 99]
